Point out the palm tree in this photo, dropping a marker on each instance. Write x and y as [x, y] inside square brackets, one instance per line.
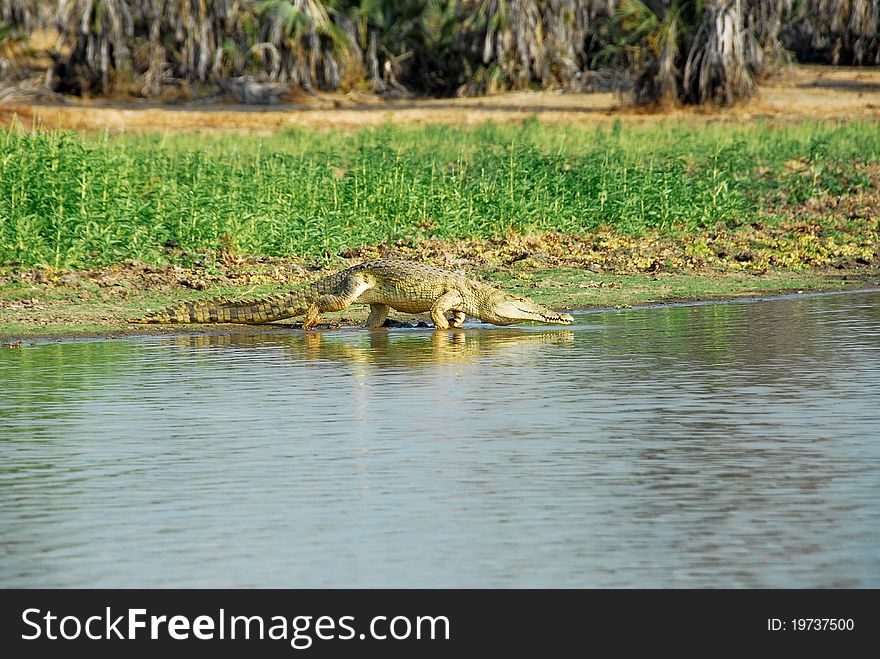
[690, 51]
[834, 31]
[310, 46]
[98, 34]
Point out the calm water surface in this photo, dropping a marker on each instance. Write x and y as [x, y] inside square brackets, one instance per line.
[732, 445]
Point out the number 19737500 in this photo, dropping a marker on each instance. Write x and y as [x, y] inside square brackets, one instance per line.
[810, 624]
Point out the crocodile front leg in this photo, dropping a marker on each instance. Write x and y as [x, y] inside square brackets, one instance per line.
[449, 300]
[456, 320]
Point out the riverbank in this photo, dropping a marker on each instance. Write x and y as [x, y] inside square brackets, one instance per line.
[41, 304]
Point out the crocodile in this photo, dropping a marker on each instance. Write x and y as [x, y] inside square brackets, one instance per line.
[406, 286]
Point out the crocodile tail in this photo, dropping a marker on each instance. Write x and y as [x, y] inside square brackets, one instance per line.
[221, 310]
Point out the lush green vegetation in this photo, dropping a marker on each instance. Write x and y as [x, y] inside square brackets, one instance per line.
[69, 200]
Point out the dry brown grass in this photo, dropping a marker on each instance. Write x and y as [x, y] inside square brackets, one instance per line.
[803, 92]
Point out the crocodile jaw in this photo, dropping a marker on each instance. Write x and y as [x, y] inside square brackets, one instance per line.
[519, 310]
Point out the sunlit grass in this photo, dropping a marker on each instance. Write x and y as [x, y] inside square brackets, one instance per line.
[70, 200]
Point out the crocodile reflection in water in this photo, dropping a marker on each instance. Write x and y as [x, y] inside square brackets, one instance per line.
[393, 349]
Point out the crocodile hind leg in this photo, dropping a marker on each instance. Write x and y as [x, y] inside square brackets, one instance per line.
[340, 298]
[378, 315]
[449, 300]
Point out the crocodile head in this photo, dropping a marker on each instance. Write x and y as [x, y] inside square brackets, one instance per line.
[506, 309]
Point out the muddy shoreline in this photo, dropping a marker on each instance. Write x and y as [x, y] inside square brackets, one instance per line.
[12, 336]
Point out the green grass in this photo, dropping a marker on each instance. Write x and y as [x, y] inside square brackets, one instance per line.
[71, 201]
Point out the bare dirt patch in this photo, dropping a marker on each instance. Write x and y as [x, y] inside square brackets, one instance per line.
[801, 92]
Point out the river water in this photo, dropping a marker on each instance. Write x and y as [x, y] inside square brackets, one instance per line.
[719, 445]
